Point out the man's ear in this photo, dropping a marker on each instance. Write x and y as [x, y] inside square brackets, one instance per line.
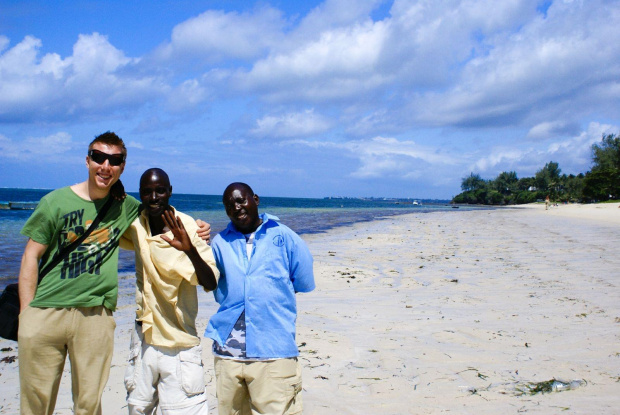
[257, 200]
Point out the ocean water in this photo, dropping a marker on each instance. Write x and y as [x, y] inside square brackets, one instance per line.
[300, 214]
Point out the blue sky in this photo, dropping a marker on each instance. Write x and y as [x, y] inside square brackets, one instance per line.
[307, 98]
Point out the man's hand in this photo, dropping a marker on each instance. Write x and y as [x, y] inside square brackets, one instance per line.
[118, 191]
[181, 241]
[204, 230]
[29, 272]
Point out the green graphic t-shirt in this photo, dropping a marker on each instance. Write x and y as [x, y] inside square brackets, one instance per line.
[88, 277]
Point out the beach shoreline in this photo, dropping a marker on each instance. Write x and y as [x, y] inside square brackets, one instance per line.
[438, 312]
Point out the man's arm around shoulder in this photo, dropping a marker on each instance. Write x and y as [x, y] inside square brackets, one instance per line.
[29, 272]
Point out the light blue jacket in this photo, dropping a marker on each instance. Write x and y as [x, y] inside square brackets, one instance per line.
[264, 287]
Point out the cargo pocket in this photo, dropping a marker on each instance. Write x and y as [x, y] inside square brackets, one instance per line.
[296, 404]
[191, 371]
[132, 368]
[289, 374]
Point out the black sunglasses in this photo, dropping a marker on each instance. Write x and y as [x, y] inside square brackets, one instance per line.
[100, 157]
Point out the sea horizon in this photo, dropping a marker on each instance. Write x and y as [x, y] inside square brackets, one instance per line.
[303, 215]
[335, 197]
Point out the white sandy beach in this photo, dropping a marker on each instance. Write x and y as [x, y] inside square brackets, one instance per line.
[447, 312]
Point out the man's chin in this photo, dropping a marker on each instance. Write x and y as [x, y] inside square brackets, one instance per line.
[156, 213]
[241, 226]
[104, 184]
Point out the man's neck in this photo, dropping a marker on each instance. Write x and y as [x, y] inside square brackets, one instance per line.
[156, 225]
[86, 191]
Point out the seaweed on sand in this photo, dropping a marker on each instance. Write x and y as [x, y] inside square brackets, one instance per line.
[547, 386]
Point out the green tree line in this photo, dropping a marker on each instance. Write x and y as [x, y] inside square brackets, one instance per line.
[601, 183]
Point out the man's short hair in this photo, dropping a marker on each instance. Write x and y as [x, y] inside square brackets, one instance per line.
[159, 172]
[238, 184]
[110, 139]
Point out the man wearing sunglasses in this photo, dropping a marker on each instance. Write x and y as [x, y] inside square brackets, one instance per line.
[70, 311]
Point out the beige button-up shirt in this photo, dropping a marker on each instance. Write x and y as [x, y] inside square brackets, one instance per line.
[166, 295]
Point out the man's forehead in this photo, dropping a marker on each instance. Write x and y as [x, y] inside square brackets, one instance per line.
[154, 179]
[236, 192]
[107, 148]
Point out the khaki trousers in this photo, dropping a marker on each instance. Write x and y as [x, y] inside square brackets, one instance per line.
[251, 388]
[46, 336]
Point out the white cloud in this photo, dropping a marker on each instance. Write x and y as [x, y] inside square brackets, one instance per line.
[31, 148]
[441, 63]
[430, 41]
[216, 35]
[384, 157]
[340, 63]
[448, 63]
[95, 79]
[299, 124]
[93, 55]
[572, 154]
[187, 96]
[539, 71]
[136, 145]
[500, 157]
[483, 63]
[552, 129]
[421, 44]
[333, 14]
[576, 151]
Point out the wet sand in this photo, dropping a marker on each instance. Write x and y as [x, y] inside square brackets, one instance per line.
[442, 312]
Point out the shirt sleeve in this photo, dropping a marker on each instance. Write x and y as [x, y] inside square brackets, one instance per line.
[300, 260]
[206, 253]
[133, 207]
[126, 240]
[40, 227]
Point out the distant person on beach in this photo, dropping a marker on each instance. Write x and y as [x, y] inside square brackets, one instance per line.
[165, 363]
[262, 265]
[547, 202]
[70, 311]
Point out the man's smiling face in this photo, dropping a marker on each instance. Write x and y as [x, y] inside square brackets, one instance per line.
[103, 175]
[155, 191]
[242, 208]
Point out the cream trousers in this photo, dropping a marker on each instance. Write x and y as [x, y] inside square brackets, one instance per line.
[171, 378]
